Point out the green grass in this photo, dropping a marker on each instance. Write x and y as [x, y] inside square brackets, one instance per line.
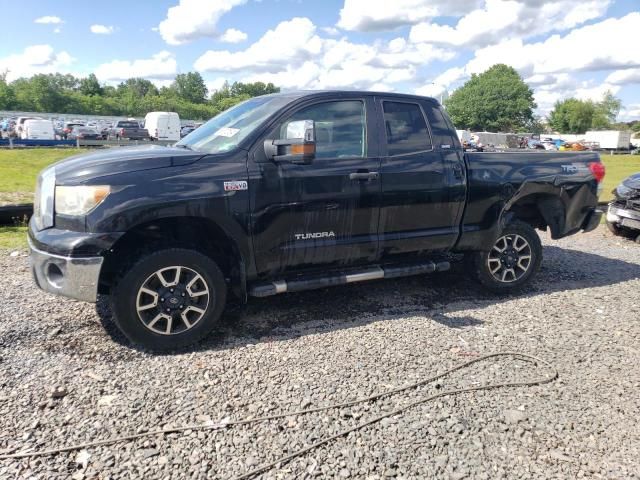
[13, 237]
[618, 168]
[19, 169]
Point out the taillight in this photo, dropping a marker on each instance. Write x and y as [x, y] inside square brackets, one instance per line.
[122, 131]
[598, 170]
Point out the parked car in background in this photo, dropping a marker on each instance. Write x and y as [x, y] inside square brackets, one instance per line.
[186, 130]
[8, 124]
[84, 133]
[17, 129]
[623, 215]
[68, 126]
[37, 130]
[129, 129]
[162, 125]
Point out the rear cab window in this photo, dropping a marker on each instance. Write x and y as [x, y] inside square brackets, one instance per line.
[406, 128]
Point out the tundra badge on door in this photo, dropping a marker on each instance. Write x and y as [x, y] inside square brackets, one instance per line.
[307, 236]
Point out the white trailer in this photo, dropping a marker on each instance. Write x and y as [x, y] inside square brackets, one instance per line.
[610, 139]
[464, 135]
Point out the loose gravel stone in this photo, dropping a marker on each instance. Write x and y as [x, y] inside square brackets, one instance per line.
[312, 349]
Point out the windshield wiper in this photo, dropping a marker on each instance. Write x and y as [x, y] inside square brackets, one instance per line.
[183, 146]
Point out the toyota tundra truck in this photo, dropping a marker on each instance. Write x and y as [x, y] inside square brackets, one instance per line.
[291, 192]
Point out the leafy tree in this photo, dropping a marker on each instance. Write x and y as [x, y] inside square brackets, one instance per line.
[239, 89]
[606, 111]
[254, 89]
[577, 116]
[190, 87]
[40, 93]
[495, 100]
[7, 96]
[572, 116]
[137, 87]
[57, 93]
[90, 86]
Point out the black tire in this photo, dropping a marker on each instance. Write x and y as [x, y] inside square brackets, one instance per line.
[126, 297]
[488, 279]
[615, 229]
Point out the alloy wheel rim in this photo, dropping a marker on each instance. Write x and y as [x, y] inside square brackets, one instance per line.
[510, 258]
[173, 300]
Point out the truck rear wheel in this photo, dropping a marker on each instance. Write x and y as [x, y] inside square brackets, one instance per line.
[513, 260]
[169, 299]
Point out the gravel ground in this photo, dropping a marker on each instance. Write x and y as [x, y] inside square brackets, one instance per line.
[317, 348]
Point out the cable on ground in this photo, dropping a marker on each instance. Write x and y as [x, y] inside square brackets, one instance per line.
[551, 375]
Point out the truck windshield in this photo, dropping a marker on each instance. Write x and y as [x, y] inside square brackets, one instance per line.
[225, 131]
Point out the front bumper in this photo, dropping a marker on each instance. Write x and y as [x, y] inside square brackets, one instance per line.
[74, 277]
[623, 217]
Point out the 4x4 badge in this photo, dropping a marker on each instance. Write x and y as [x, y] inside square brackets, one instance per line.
[235, 185]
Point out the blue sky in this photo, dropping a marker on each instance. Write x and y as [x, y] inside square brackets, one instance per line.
[561, 47]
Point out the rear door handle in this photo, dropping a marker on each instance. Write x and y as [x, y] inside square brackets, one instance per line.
[363, 176]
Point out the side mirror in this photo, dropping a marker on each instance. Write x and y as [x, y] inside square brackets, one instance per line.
[298, 147]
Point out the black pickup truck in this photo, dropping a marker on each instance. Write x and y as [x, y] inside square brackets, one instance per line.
[129, 129]
[290, 192]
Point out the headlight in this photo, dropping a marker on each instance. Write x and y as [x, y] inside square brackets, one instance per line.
[43, 201]
[623, 191]
[80, 199]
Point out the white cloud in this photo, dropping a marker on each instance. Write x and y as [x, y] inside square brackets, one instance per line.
[271, 53]
[193, 19]
[161, 66]
[35, 59]
[57, 30]
[101, 29]
[312, 61]
[216, 84]
[629, 113]
[379, 15]
[546, 65]
[590, 48]
[624, 77]
[499, 20]
[232, 35]
[331, 31]
[48, 19]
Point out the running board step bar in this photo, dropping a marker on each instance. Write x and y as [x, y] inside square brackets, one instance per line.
[299, 284]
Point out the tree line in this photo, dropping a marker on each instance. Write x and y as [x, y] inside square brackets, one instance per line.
[499, 100]
[187, 95]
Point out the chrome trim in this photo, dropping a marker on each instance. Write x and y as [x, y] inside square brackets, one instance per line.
[281, 286]
[79, 275]
[623, 212]
[373, 274]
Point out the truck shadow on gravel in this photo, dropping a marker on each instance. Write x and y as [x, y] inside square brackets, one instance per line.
[296, 314]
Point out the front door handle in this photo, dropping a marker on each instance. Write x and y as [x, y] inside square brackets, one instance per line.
[363, 176]
[458, 172]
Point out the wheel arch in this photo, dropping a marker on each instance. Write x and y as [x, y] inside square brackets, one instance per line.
[540, 209]
[201, 234]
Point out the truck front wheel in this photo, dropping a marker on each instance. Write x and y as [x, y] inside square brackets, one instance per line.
[513, 260]
[169, 299]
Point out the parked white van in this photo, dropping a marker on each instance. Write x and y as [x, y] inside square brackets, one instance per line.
[37, 129]
[163, 125]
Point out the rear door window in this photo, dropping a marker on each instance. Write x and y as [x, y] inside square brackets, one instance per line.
[406, 128]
